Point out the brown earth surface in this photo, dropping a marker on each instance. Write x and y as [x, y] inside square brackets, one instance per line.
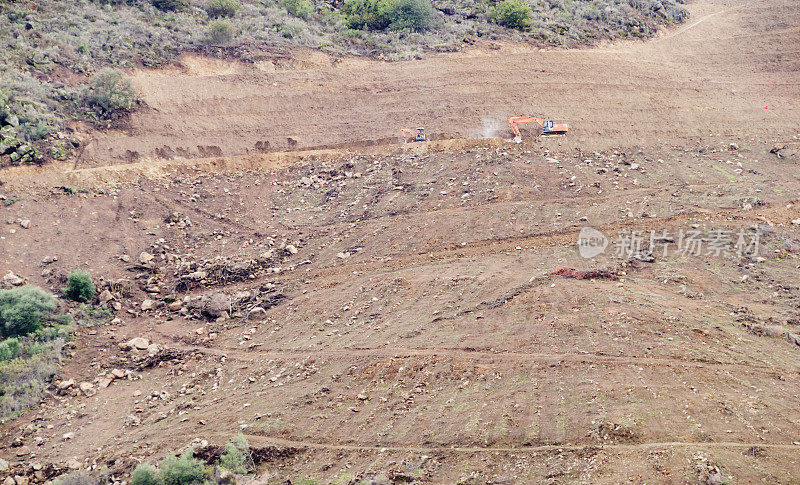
[412, 327]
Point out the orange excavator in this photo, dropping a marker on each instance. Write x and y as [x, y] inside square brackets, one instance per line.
[547, 126]
[409, 135]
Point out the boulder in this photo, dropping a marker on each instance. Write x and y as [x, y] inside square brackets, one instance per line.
[87, 388]
[149, 304]
[105, 296]
[257, 313]
[10, 279]
[139, 343]
[218, 305]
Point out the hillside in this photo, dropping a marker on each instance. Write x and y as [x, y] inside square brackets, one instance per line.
[272, 264]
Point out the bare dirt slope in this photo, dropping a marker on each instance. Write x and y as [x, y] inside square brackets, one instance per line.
[714, 76]
[412, 329]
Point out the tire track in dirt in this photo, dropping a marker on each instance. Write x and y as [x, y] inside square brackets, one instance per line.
[261, 440]
[566, 237]
[256, 355]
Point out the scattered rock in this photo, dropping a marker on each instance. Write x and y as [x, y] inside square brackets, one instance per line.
[291, 249]
[3, 465]
[10, 279]
[139, 343]
[149, 304]
[65, 386]
[25, 223]
[175, 305]
[257, 314]
[87, 388]
[118, 373]
[105, 297]
[145, 258]
[68, 436]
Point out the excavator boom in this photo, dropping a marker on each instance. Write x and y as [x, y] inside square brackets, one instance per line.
[547, 126]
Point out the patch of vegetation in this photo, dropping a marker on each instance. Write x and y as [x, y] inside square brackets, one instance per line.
[80, 286]
[223, 8]
[220, 32]
[171, 5]
[108, 95]
[80, 477]
[513, 14]
[236, 456]
[22, 310]
[32, 346]
[299, 8]
[172, 470]
[144, 474]
[33, 363]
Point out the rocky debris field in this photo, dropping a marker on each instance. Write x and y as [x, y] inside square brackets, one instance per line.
[425, 315]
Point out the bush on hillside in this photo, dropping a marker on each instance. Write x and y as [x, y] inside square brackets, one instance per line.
[79, 286]
[183, 470]
[22, 309]
[513, 14]
[236, 455]
[9, 349]
[171, 5]
[414, 15]
[298, 8]
[144, 474]
[109, 93]
[220, 32]
[223, 8]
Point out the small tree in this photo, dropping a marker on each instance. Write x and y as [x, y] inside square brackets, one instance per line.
[298, 8]
[144, 474]
[414, 15]
[236, 455]
[22, 309]
[109, 93]
[220, 32]
[170, 5]
[79, 286]
[513, 14]
[184, 470]
[222, 8]
[9, 349]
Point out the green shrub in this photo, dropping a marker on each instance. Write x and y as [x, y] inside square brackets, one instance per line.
[223, 8]
[144, 474]
[414, 15]
[236, 455]
[170, 5]
[9, 349]
[22, 309]
[298, 8]
[367, 14]
[219, 32]
[79, 286]
[109, 93]
[184, 470]
[513, 14]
